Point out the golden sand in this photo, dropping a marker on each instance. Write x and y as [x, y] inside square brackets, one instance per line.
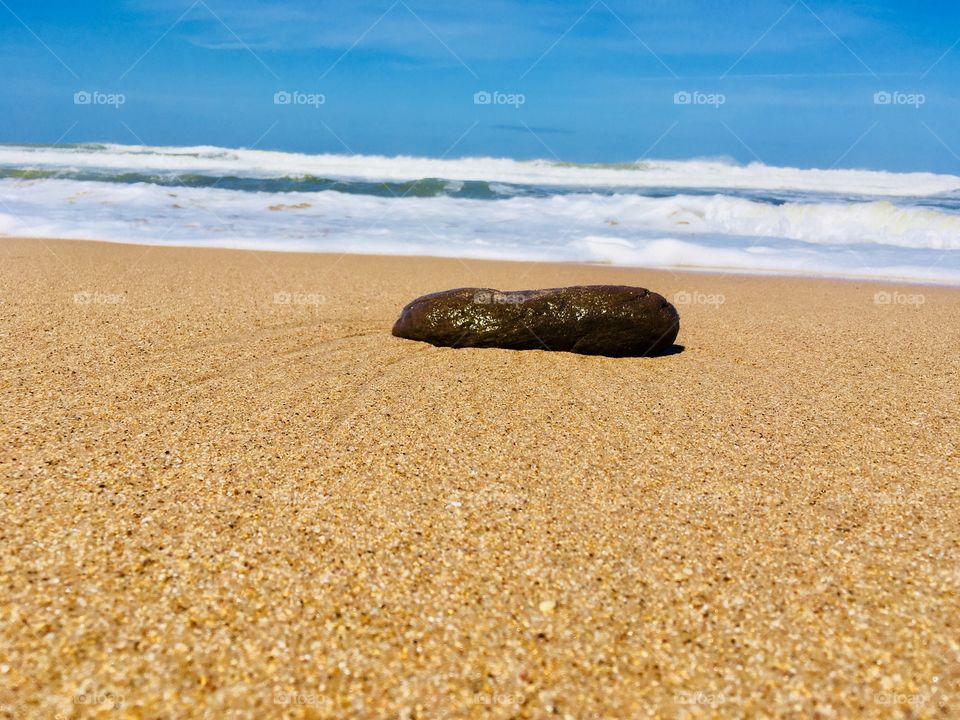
[228, 491]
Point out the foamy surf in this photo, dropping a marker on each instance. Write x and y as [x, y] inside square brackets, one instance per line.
[695, 214]
[220, 162]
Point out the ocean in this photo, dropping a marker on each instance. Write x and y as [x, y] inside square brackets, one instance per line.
[696, 214]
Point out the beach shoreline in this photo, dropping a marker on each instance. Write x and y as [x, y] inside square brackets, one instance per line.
[229, 489]
[699, 214]
[670, 269]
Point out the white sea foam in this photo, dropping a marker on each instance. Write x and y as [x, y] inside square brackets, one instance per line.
[217, 162]
[869, 239]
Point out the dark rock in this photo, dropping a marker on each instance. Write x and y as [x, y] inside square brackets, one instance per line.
[614, 320]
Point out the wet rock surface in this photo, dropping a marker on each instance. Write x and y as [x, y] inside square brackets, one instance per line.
[613, 320]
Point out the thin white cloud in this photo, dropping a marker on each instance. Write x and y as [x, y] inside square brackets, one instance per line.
[513, 29]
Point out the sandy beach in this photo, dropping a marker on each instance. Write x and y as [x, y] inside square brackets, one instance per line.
[228, 491]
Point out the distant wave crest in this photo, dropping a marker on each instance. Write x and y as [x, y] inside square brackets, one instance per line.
[220, 162]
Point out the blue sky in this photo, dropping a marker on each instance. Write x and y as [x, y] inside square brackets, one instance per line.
[782, 82]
